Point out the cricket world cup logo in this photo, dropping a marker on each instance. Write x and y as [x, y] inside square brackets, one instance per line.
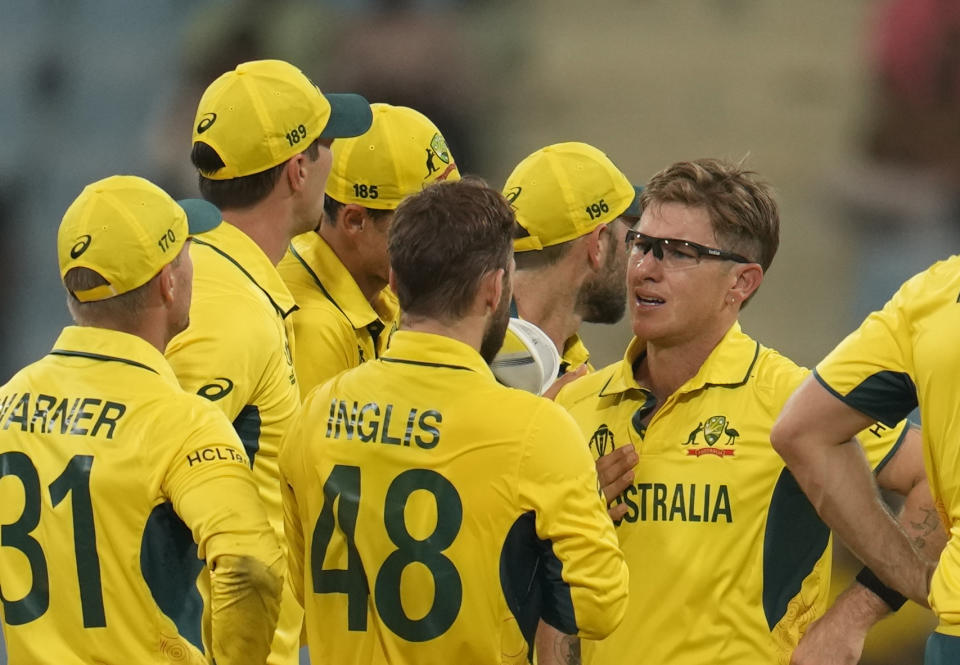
[602, 441]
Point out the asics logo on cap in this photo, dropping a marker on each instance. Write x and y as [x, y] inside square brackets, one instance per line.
[205, 122]
[80, 247]
[512, 194]
[219, 389]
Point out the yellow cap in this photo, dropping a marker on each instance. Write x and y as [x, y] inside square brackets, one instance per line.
[564, 191]
[266, 111]
[402, 153]
[126, 229]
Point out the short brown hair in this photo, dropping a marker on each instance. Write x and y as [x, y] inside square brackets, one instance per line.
[443, 240]
[242, 192]
[122, 310]
[742, 210]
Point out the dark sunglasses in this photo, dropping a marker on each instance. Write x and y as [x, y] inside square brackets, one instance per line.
[675, 253]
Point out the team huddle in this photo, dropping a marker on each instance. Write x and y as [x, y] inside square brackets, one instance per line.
[286, 417]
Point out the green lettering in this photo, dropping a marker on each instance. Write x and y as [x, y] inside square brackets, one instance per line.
[83, 414]
[19, 413]
[40, 410]
[108, 419]
[374, 424]
[678, 506]
[659, 502]
[430, 428]
[722, 507]
[385, 432]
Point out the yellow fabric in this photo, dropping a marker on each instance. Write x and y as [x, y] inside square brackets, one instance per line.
[237, 352]
[401, 153]
[244, 593]
[126, 229]
[406, 446]
[110, 440]
[574, 355]
[334, 322]
[704, 519]
[263, 113]
[901, 354]
[564, 191]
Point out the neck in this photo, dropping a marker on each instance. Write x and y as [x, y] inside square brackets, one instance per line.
[264, 224]
[149, 328]
[667, 366]
[370, 285]
[548, 300]
[468, 330]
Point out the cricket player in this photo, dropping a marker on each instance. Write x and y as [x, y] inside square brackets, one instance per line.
[337, 272]
[98, 443]
[730, 563]
[422, 529]
[261, 146]
[900, 356]
[569, 199]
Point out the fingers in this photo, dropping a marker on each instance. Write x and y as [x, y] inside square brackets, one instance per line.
[615, 471]
[552, 391]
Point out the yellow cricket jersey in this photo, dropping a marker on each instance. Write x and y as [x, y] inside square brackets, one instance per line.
[905, 353]
[729, 561]
[98, 446]
[336, 325]
[574, 355]
[434, 515]
[237, 352]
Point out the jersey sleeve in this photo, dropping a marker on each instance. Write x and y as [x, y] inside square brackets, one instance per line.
[223, 354]
[210, 465]
[585, 572]
[326, 346]
[211, 487]
[880, 443]
[870, 369]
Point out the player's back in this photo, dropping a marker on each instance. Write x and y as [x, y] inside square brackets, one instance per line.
[441, 513]
[87, 441]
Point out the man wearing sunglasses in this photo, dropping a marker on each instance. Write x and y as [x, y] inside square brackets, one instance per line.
[730, 562]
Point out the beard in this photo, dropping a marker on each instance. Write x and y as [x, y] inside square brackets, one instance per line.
[497, 327]
[603, 298]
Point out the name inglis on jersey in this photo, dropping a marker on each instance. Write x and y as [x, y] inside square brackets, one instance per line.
[383, 424]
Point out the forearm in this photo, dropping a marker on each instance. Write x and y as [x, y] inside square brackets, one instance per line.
[556, 648]
[839, 483]
[245, 602]
[921, 522]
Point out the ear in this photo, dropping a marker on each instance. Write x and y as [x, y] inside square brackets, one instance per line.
[166, 283]
[491, 290]
[295, 172]
[596, 246]
[352, 218]
[747, 279]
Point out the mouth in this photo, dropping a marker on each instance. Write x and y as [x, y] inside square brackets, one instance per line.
[648, 301]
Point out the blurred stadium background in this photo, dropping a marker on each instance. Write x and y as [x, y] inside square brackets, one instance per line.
[849, 108]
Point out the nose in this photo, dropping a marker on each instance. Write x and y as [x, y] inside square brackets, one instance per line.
[644, 266]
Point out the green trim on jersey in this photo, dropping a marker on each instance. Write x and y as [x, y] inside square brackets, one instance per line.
[793, 541]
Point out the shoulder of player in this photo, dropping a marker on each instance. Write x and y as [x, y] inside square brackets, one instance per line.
[320, 314]
[526, 409]
[776, 376]
[244, 316]
[588, 386]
